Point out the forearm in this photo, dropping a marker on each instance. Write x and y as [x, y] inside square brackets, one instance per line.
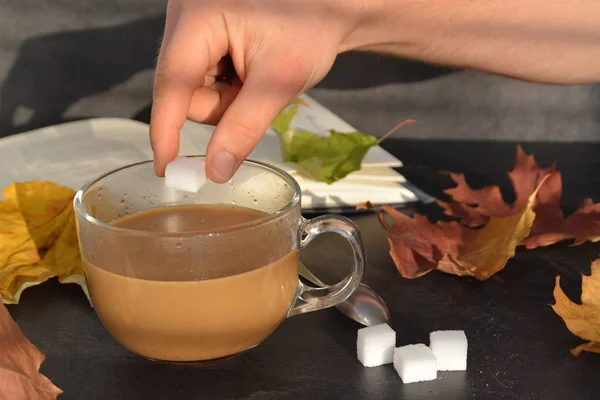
[552, 41]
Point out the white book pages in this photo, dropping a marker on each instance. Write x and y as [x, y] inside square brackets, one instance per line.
[74, 153]
[314, 118]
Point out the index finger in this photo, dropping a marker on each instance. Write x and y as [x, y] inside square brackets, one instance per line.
[180, 71]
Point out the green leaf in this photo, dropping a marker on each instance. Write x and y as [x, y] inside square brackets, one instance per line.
[282, 122]
[326, 159]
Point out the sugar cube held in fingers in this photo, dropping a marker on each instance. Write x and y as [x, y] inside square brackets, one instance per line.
[415, 363]
[186, 173]
[450, 349]
[375, 345]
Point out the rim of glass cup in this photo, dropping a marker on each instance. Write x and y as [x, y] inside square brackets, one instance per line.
[80, 209]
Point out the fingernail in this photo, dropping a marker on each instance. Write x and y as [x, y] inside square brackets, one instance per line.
[223, 165]
[157, 170]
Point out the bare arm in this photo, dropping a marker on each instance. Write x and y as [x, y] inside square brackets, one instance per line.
[280, 48]
[551, 41]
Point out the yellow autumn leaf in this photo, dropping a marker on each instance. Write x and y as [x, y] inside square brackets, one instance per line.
[38, 238]
[583, 319]
[16, 246]
[590, 347]
[64, 257]
[45, 207]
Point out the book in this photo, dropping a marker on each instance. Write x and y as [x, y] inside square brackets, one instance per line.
[73, 153]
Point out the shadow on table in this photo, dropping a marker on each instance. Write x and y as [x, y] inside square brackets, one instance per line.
[448, 386]
[487, 163]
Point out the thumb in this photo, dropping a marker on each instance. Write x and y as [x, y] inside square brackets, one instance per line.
[264, 94]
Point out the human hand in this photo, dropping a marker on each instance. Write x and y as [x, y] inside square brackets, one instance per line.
[278, 49]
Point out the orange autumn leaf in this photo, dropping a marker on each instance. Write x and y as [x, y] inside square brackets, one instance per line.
[581, 226]
[418, 246]
[583, 319]
[590, 347]
[474, 208]
[486, 251]
[20, 362]
[38, 239]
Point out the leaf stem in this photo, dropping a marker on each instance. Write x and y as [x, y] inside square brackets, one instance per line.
[395, 128]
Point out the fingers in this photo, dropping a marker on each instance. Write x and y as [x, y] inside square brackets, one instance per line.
[223, 69]
[181, 68]
[171, 18]
[209, 104]
[264, 93]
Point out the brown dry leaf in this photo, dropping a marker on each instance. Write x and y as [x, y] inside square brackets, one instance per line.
[583, 319]
[38, 239]
[474, 208]
[582, 225]
[20, 363]
[486, 251]
[417, 246]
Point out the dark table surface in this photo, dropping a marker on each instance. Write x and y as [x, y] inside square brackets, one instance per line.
[518, 347]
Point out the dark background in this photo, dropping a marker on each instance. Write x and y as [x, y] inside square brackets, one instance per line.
[73, 59]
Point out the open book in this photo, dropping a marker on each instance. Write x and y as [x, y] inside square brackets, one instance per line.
[74, 153]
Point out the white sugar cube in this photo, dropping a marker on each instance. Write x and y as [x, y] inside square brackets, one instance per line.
[450, 349]
[375, 345]
[415, 363]
[186, 173]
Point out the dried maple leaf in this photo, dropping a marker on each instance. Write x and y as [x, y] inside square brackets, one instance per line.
[582, 225]
[20, 362]
[486, 251]
[38, 239]
[474, 208]
[417, 246]
[583, 319]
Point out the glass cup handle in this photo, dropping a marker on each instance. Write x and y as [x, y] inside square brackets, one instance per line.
[316, 298]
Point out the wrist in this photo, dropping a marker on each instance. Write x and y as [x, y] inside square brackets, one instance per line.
[376, 25]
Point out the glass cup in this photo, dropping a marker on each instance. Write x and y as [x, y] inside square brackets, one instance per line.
[202, 295]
